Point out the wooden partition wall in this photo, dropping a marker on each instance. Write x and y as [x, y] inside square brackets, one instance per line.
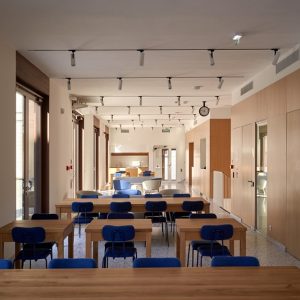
[216, 133]
[279, 105]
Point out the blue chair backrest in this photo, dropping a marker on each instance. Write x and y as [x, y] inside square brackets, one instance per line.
[86, 196]
[235, 261]
[156, 206]
[216, 232]
[112, 233]
[82, 207]
[147, 173]
[120, 184]
[28, 235]
[44, 217]
[118, 174]
[153, 196]
[120, 216]
[6, 264]
[72, 263]
[154, 262]
[203, 216]
[120, 206]
[192, 205]
[129, 192]
[121, 195]
[178, 195]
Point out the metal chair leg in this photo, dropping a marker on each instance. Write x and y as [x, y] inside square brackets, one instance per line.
[167, 236]
[30, 264]
[188, 256]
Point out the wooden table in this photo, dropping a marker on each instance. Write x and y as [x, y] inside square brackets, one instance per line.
[143, 231]
[188, 229]
[264, 283]
[56, 231]
[138, 204]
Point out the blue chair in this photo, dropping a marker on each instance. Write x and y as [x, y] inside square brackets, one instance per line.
[120, 195]
[154, 262]
[147, 173]
[82, 209]
[155, 211]
[235, 261]
[120, 207]
[157, 195]
[120, 184]
[45, 245]
[212, 234]
[195, 244]
[90, 196]
[115, 215]
[6, 264]
[129, 192]
[32, 236]
[72, 263]
[182, 195]
[118, 238]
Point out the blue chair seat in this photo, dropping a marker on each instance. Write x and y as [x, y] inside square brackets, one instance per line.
[118, 245]
[90, 215]
[47, 245]
[157, 219]
[31, 254]
[206, 250]
[103, 216]
[6, 264]
[196, 244]
[129, 192]
[235, 261]
[72, 263]
[155, 262]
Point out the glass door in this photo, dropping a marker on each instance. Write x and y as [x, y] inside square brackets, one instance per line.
[169, 164]
[28, 155]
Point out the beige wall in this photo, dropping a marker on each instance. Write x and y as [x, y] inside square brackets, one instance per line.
[8, 129]
[60, 143]
[272, 104]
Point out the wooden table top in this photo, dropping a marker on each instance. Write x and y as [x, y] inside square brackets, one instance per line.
[139, 224]
[175, 283]
[196, 224]
[134, 201]
[48, 225]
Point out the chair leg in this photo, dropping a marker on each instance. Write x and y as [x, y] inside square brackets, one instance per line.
[193, 254]
[197, 259]
[46, 263]
[201, 260]
[22, 264]
[30, 264]
[79, 233]
[162, 228]
[167, 236]
[188, 256]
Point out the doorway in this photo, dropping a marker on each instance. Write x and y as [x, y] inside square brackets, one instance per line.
[261, 176]
[28, 154]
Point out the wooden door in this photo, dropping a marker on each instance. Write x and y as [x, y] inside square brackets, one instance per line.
[293, 186]
[236, 176]
[191, 162]
[247, 192]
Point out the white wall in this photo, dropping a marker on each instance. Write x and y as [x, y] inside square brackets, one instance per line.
[102, 156]
[8, 137]
[143, 140]
[60, 142]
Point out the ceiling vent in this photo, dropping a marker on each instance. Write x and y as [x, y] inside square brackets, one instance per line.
[289, 60]
[248, 87]
[166, 130]
[124, 130]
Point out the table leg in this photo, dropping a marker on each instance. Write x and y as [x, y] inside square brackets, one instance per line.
[206, 208]
[60, 248]
[1, 249]
[88, 245]
[71, 244]
[177, 242]
[58, 212]
[17, 250]
[231, 247]
[243, 244]
[148, 244]
[180, 247]
[95, 250]
[69, 215]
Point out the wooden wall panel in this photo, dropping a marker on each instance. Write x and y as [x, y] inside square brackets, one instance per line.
[293, 186]
[293, 91]
[276, 188]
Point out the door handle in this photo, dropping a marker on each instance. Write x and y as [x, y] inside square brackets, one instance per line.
[251, 182]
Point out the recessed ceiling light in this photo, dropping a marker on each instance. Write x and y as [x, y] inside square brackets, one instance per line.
[236, 38]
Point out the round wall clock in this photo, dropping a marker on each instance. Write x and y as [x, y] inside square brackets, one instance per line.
[203, 110]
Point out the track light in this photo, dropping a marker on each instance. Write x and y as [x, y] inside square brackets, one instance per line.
[178, 101]
[221, 81]
[102, 101]
[142, 57]
[120, 126]
[276, 56]
[195, 119]
[155, 121]
[211, 57]
[120, 83]
[132, 122]
[133, 127]
[160, 109]
[111, 117]
[141, 100]
[108, 121]
[193, 109]
[96, 109]
[217, 100]
[169, 117]
[69, 84]
[152, 128]
[179, 121]
[139, 117]
[73, 62]
[169, 83]
[142, 125]
[129, 109]
[162, 125]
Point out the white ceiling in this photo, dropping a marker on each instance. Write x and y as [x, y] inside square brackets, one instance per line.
[150, 24]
